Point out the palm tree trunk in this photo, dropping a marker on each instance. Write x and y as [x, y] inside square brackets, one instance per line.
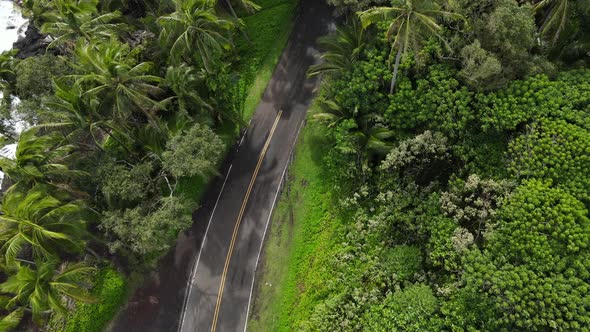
[398, 56]
[233, 12]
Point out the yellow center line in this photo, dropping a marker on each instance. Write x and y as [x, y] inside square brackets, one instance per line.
[239, 220]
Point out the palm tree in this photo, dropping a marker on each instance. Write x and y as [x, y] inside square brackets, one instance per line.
[195, 24]
[411, 22]
[556, 13]
[42, 288]
[12, 319]
[187, 83]
[369, 136]
[81, 119]
[37, 220]
[111, 74]
[40, 160]
[72, 19]
[343, 49]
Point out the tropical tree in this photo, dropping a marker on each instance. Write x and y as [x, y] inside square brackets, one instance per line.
[71, 19]
[40, 160]
[364, 133]
[41, 222]
[111, 74]
[80, 119]
[42, 287]
[410, 23]
[186, 82]
[342, 49]
[195, 24]
[556, 14]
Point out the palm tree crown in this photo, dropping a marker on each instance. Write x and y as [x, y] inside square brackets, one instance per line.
[42, 289]
[41, 222]
[410, 23]
[195, 24]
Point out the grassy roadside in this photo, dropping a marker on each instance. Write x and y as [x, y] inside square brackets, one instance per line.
[297, 251]
[268, 31]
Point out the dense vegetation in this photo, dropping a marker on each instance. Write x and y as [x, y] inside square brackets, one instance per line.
[130, 110]
[452, 138]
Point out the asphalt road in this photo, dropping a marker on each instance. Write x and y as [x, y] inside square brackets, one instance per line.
[205, 283]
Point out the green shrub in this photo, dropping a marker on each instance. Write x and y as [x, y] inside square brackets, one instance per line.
[110, 290]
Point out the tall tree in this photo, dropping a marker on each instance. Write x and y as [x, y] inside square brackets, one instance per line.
[43, 287]
[111, 74]
[40, 160]
[79, 118]
[69, 20]
[195, 24]
[37, 220]
[342, 49]
[556, 14]
[410, 23]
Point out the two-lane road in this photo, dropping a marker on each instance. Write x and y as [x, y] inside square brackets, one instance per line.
[220, 287]
[205, 283]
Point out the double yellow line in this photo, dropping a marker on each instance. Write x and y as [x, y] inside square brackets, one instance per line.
[239, 221]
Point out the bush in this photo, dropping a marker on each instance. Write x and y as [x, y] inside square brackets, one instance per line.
[110, 290]
[556, 150]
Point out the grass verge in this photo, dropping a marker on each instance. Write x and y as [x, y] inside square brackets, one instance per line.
[268, 31]
[296, 257]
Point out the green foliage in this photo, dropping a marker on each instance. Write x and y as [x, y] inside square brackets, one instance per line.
[556, 150]
[473, 203]
[194, 152]
[45, 287]
[341, 49]
[412, 309]
[351, 6]
[501, 35]
[536, 266]
[438, 100]
[419, 159]
[35, 220]
[536, 97]
[109, 292]
[194, 23]
[128, 184]
[111, 73]
[411, 23]
[68, 20]
[34, 75]
[144, 232]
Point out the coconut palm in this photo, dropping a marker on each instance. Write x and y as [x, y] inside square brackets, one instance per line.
[36, 220]
[40, 160]
[410, 23]
[556, 14]
[187, 82]
[71, 19]
[194, 24]
[80, 118]
[342, 49]
[111, 74]
[369, 136]
[43, 287]
[13, 318]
